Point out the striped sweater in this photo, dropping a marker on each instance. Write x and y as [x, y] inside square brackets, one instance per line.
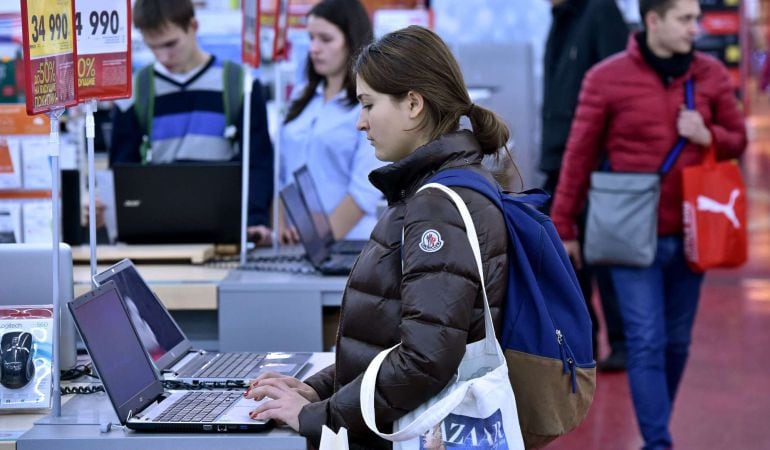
[188, 124]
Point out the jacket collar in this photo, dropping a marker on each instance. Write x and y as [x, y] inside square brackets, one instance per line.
[402, 178]
[635, 53]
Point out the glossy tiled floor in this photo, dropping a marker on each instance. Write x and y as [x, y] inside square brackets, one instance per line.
[724, 401]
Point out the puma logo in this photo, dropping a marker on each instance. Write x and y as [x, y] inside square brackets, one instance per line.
[728, 209]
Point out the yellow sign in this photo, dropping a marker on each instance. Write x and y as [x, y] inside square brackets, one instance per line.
[732, 54]
[49, 27]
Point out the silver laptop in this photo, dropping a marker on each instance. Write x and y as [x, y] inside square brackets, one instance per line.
[133, 384]
[321, 222]
[172, 352]
[26, 278]
[318, 252]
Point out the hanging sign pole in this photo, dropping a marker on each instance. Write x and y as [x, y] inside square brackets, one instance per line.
[103, 72]
[250, 57]
[280, 24]
[246, 159]
[90, 135]
[279, 52]
[49, 66]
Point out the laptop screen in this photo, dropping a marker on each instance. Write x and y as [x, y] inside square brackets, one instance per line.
[115, 350]
[300, 216]
[309, 193]
[157, 330]
[180, 203]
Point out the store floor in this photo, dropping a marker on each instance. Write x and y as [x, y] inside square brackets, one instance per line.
[724, 399]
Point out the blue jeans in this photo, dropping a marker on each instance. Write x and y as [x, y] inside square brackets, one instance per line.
[658, 306]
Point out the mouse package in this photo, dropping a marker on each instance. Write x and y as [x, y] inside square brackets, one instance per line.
[26, 350]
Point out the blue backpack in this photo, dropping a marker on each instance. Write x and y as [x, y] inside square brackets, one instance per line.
[546, 329]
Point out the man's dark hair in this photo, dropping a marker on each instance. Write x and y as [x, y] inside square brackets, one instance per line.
[659, 6]
[154, 15]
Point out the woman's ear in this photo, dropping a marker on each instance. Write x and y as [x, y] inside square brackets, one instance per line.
[416, 104]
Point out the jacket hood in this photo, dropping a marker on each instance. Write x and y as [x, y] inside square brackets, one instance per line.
[402, 178]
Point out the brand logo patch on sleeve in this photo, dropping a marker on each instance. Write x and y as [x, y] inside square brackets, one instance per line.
[431, 241]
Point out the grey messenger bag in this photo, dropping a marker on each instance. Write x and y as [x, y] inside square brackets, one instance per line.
[622, 217]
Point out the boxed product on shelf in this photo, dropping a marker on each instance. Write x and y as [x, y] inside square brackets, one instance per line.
[26, 349]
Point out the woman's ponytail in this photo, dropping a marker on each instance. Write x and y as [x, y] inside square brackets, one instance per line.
[491, 132]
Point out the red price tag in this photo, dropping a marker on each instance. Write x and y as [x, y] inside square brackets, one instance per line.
[250, 32]
[103, 31]
[280, 25]
[49, 54]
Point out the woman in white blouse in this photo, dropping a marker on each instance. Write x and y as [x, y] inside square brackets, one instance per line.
[320, 127]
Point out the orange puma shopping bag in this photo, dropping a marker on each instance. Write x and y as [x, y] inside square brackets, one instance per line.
[714, 216]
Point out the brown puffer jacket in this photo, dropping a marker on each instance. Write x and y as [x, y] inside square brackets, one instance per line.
[434, 307]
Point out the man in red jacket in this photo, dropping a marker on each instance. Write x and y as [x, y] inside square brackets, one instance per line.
[632, 107]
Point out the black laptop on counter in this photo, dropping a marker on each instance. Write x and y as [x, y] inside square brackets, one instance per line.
[180, 203]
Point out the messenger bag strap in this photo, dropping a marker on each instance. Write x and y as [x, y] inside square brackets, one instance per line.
[673, 155]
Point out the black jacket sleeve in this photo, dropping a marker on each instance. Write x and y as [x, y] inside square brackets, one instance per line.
[434, 328]
[261, 159]
[126, 137]
[610, 29]
[322, 382]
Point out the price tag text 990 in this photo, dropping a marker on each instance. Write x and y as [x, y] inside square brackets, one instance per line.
[58, 25]
[107, 20]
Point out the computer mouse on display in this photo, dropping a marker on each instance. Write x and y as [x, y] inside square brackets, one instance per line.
[16, 365]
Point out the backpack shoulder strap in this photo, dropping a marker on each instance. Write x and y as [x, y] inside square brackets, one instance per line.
[468, 179]
[232, 91]
[144, 106]
[144, 96]
[472, 180]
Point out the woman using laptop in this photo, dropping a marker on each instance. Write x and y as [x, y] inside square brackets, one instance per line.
[416, 283]
[320, 127]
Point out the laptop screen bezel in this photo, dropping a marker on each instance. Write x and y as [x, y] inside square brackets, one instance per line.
[309, 192]
[316, 249]
[145, 396]
[178, 351]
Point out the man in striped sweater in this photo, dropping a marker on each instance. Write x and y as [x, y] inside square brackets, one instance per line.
[187, 107]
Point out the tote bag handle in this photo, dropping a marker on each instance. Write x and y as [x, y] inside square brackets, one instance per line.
[452, 400]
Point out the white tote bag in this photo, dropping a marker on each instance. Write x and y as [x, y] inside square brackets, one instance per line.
[333, 441]
[477, 409]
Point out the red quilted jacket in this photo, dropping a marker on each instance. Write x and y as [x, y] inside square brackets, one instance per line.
[625, 108]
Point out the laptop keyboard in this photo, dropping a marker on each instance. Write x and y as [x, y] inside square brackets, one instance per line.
[198, 406]
[231, 365]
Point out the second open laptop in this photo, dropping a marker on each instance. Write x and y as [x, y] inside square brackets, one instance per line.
[320, 220]
[170, 349]
[133, 384]
[318, 252]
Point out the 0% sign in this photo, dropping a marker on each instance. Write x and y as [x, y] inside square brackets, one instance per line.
[86, 71]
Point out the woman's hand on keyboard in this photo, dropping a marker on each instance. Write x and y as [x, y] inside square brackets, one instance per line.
[292, 383]
[284, 402]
